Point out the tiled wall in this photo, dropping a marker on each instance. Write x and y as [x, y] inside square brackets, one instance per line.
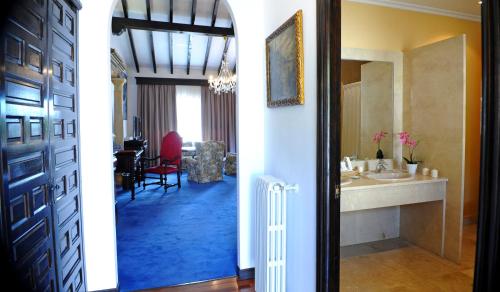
[434, 112]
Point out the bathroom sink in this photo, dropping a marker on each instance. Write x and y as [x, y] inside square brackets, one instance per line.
[345, 181]
[389, 175]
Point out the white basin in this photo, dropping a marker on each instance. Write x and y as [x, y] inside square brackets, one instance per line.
[389, 176]
[345, 181]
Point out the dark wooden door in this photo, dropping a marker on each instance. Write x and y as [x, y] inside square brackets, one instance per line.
[24, 107]
[40, 194]
[487, 267]
[64, 146]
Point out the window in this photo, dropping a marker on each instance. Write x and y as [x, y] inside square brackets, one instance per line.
[188, 100]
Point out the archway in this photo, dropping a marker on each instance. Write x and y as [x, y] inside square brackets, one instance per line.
[96, 145]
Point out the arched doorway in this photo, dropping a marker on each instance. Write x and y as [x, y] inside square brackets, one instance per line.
[97, 188]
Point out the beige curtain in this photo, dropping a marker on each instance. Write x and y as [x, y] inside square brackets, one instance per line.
[351, 109]
[218, 117]
[157, 109]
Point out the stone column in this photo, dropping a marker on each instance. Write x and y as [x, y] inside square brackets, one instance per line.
[118, 110]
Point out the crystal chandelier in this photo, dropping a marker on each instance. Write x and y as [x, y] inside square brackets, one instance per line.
[226, 81]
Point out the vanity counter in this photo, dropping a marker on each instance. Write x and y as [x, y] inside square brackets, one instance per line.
[413, 210]
[368, 183]
[366, 193]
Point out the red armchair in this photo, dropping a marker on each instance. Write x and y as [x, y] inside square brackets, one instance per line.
[169, 161]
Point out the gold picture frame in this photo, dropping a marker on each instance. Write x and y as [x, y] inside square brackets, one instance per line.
[285, 64]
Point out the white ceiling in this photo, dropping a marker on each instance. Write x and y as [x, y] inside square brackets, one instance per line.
[463, 6]
[465, 9]
[182, 14]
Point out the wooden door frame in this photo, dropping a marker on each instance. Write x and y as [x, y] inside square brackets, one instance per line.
[328, 145]
[487, 265]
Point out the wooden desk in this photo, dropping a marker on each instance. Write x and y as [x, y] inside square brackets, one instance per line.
[129, 164]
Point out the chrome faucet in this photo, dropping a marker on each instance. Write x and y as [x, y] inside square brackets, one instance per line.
[380, 166]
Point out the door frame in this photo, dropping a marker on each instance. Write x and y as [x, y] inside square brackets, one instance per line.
[487, 264]
[328, 145]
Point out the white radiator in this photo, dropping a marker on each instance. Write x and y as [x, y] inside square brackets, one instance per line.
[270, 234]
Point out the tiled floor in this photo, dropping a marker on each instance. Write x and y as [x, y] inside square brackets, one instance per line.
[401, 267]
[410, 269]
[372, 247]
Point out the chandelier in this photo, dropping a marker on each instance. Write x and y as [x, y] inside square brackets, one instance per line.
[226, 81]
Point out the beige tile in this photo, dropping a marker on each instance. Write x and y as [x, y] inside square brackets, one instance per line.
[409, 269]
[422, 225]
[434, 107]
[376, 107]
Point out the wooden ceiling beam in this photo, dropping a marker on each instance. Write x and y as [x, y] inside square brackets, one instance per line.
[170, 53]
[151, 39]
[130, 37]
[193, 11]
[171, 12]
[120, 23]
[170, 48]
[215, 10]
[207, 53]
[171, 81]
[209, 42]
[189, 55]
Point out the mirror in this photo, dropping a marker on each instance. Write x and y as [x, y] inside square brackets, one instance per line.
[367, 107]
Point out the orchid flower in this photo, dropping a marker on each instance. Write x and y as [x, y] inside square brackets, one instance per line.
[377, 137]
[411, 144]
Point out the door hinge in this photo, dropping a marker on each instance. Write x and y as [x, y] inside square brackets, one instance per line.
[337, 192]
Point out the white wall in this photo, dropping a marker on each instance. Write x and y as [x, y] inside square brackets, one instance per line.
[96, 129]
[290, 149]
[96, 145]
[250, 105]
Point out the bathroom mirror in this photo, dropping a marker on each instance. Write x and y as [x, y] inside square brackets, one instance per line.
[367, 107]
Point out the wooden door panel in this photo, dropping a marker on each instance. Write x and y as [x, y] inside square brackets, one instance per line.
[39, 143]
[65, 146]
[25, 145]
[24, 41]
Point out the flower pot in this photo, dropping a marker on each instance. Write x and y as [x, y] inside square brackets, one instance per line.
[380, 154]
[412, 168]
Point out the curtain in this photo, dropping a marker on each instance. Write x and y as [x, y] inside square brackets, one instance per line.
[351, 119]
[218, 117]
[188, 99]
[157, 109]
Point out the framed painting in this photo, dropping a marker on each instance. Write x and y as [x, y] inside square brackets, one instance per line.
[285, 64]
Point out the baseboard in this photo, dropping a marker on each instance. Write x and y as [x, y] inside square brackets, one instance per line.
[117, 289]
[246, 274]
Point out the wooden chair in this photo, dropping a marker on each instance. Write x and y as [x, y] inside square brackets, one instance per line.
[169, 162]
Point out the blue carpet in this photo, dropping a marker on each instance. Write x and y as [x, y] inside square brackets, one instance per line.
[177, 237]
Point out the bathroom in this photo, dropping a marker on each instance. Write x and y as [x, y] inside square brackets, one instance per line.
[406, 177]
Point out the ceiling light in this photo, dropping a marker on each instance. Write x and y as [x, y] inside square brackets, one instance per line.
[226, 81]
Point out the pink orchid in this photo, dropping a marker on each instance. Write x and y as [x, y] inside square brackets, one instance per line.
[379, 136]
[406, 140]
[403, 137]
[411, 143]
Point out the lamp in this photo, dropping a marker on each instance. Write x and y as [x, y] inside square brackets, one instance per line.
[226, 81]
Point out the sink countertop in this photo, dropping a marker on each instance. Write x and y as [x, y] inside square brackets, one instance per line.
[368, 183]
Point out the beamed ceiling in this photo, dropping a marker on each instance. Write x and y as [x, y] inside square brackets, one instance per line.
[173, 35]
